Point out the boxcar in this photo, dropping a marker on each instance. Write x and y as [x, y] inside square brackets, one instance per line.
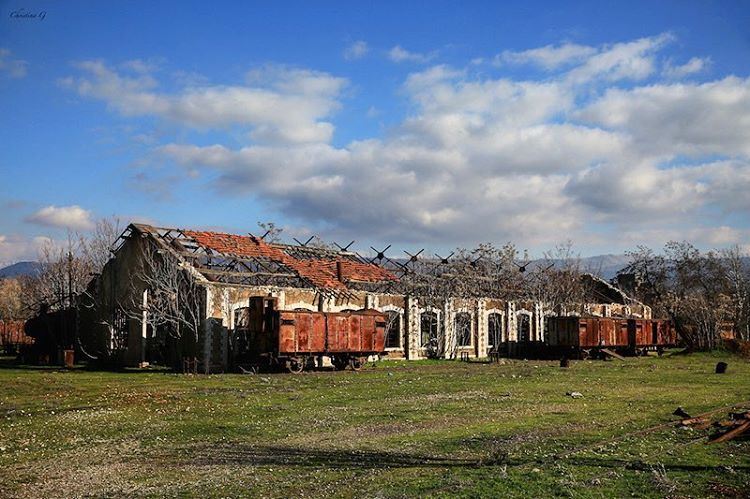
[13, 336]
[292, 339]
[584, 336]
[650, 334]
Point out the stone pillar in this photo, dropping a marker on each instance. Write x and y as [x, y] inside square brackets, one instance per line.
[537, 333]
[449, 331]
[144, 326]
[510, 313]
[327, 304]
[481, 328]
[281, 299]
[411, 319]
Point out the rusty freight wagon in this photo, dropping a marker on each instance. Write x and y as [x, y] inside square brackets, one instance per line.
[652, 334]
[589, 336]
[292, 339]
[12, 336]
[584, 336]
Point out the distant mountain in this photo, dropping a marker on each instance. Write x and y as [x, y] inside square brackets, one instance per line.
[19, 269]
[606, 266]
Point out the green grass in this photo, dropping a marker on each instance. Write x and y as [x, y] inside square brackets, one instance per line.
[438, 428]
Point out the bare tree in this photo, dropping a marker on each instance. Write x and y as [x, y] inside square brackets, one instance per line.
[684, 284]
[736, 264]
[557, 281]
[11, 306]
[64, 273]
[97, 245]
[164, 292]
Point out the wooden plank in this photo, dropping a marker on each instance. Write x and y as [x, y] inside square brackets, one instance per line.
[737, 431]
[612, 354]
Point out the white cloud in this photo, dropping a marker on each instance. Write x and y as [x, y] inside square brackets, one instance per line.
[14, 68]
[15, 248]
[140, 66]
[679, 118]
[68, 217]
[548, 57]
[587, 152]
[279, 105]
[633, 60]
[356, 50]
[399, 54]
[694, 65]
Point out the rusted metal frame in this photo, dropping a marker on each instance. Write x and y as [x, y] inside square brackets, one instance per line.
[121, 239]
[233, 258]
[244, 274]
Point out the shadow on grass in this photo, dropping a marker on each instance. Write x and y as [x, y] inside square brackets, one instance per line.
[8, 362]
[246, 455]
[641, 466]
[324, 458]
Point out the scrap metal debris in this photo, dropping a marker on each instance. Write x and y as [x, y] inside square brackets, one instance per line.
[738, 425]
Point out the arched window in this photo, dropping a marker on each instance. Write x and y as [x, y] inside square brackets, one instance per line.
[524, 327]
[428, 328]
[463, 329]
[494, 330]
[393, 329]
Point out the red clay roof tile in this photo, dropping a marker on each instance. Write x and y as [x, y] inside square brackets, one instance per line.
[320, 272]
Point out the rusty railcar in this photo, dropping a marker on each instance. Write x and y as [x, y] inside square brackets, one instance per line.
[294, 338]
[588, 336]
[12, 335]
[584, 336]
[650, 334]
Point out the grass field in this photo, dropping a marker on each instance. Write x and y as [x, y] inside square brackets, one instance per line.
[438, 428]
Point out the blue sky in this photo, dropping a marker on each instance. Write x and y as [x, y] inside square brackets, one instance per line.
[421, 124]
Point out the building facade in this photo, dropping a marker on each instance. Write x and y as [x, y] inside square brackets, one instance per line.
[229, 269]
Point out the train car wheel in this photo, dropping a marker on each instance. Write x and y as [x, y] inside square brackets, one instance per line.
[340, 362]
[355, 363]
[295, 366]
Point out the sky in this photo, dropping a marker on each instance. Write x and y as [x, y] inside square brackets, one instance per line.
[417, 124]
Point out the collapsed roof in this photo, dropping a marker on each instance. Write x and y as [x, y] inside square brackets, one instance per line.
[249, 260]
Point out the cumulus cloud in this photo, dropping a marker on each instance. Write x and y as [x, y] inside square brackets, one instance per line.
[10, 66]
[599, 145]
[679, 118]
[278, 104]
[69, 217]
[400, 54]
[356, 50]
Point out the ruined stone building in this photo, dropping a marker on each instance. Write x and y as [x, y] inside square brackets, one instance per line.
[229, 269]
